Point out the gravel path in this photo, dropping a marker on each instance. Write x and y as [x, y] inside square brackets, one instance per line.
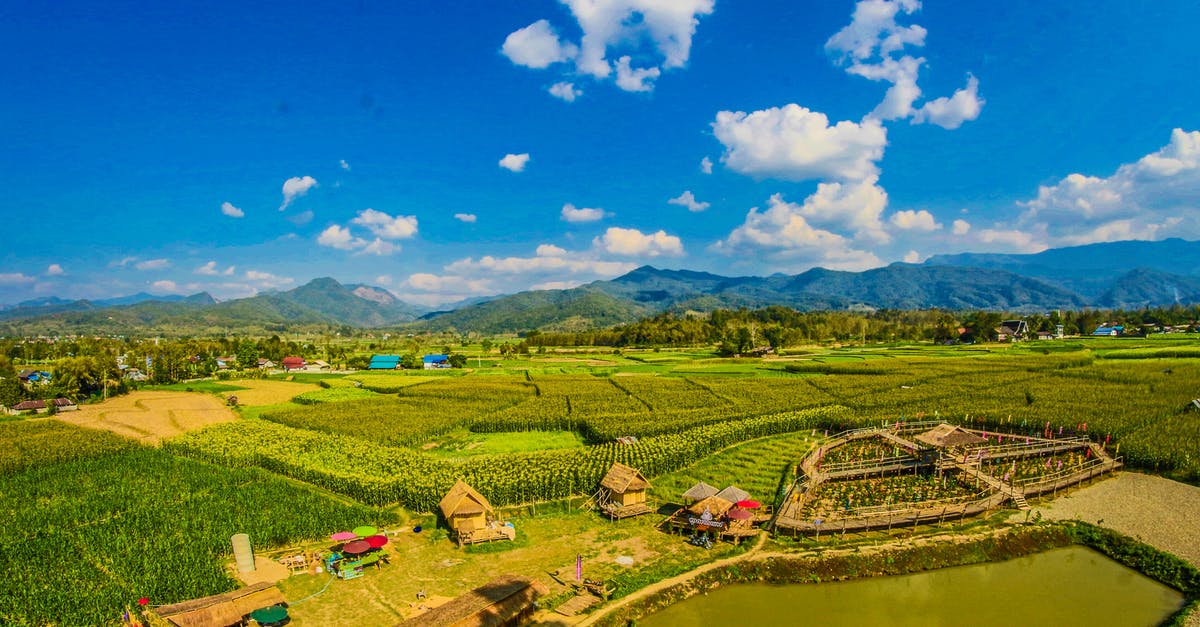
[1162, 513]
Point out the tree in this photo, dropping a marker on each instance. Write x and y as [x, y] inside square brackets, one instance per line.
[412, 361]
[487, 345]
[247, 355]
[457, 360]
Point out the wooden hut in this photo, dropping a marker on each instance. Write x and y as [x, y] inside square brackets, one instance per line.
[622, 492]
[220, 610]
[733, 494]
[470, 516]
[509, 600]
[699, 492]
[947, 436]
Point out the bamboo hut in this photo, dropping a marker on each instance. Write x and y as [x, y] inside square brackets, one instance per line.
[733, 494]
[948, 436]
[622, 492]
[509, 600]
[699, 492]
[220, 610]
[471, 517]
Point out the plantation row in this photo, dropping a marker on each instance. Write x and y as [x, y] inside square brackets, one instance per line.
[30, 443]
[382, 475]
[81, 539]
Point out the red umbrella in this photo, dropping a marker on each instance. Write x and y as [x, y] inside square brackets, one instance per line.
[356, 547]
[376, 541]
[342, 535]
[748, 504]
[739, 514]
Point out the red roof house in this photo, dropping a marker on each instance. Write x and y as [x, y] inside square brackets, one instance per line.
[294, 363]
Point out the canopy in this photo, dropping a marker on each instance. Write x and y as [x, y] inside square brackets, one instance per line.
[342, 536]
[733, 494]
[699, 492]
[739, 514]
[356, 547]
[748, 504]
[272, 614]
[375, 541]
[365, 530]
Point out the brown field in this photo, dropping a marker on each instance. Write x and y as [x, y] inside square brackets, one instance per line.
[152, 416]
[267, 392]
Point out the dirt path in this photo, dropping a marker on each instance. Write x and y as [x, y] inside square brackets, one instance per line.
[152, 416]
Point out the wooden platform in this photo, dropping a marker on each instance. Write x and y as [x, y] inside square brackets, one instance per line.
[617, 512]
[577, 604]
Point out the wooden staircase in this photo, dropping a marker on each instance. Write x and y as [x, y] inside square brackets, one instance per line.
[1018, 499]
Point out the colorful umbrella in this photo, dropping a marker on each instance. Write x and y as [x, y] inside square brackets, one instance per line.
[365, 530]
[343, 535]
[739, 514]
[376, 541]
[356, 547]
[748, 504]
[268, 615]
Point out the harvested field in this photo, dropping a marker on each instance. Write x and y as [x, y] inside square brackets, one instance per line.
[1162, 513]
[152, 416]
[267, 392]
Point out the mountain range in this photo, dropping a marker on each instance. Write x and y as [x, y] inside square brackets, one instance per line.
[1130, 274]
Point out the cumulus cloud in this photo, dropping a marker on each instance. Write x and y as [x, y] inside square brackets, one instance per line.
[961, 227]
[634, 243]
[687, 199]
[165, 286]
[795, 144]
[912, 257]
[343, 165]
[379, 246]
[565, 91]
[572, 214]
[211, 269]
[661, 30]
[706, 166]
[537, 46]
[910, 220]
[296, 187]
[228, 209]
[540, 265]
[950, 113]
[55, 269]
[465, 217]
[515, 163]
[15, 278]
[386, 226]
[1151, 198]
[153, 264]
[873, 31]
[854, 207]
[785, 233]
[339, 237]
[550, 250]
[266, 280]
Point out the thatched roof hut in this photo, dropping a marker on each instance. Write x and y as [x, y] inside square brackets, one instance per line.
[464, 508]
[625, 484]
[700, 491]
[733, 494]
[221, 610]
[715, 505]
[947, 435]
[504, 601]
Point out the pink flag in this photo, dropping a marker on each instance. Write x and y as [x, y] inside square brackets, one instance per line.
[579, 567]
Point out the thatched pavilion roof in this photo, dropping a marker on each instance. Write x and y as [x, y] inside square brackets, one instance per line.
[621, 479]
[716, 506]
[700, 491]
[495, 603]
[462, 499]
[946, 435]
[733, 494]
[221, 610]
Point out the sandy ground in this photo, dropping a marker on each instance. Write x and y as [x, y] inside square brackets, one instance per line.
[1162, 513]
[267, 392]
[152, 416]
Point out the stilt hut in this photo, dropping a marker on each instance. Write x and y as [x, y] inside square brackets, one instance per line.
[622, 492]
[699, 492]
[471, 517]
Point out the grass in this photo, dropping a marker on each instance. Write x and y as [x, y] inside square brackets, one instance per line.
[461, 444]
[754, 466]
[209, 387]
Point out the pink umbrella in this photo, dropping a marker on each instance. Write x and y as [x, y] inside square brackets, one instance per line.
[376, 541]
[356, 547]
[342, 536]
[748, 504]
[739, 514]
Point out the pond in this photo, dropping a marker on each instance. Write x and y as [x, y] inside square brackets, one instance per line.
[1068, 586]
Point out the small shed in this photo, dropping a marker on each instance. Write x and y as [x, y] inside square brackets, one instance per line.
[699, 492]
[509, 600]
[622, 492]
[469, 516]
[221, 610]
[947, 435]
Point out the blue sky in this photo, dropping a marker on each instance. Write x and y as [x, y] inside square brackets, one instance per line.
[445, 152]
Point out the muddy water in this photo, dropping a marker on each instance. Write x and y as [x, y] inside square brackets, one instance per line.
[1069, 586]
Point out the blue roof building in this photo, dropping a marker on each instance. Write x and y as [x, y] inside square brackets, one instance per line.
[384, 362]
[1107, 330]
[433, 362]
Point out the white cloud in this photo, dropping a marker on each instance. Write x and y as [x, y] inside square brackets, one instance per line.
[1151, 198]
[153, 264]
[550, 250]
[228, 209]
[302, 218]
[537, 46]
[343, 165]
[165, 286]
[55, 269]
[340, 238]
[515, 163]
[565, 91]
[950, 113]
[572, 214]
[855, 207]
[266, 280]
[211, 269]
[380, 247]
[687, 199]
[296, 187]
[634, 243]
[575, 264]
[794, 143]
[784, 233]
[635, 79]
[427, 282]
[556, 285]
[706, 166]
[912, 257]
[961, 227]
[873, 31]
[1013, 239]
[15, 278]
[121, 263]
[910, 220]
[465, 217]
[386, 226]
